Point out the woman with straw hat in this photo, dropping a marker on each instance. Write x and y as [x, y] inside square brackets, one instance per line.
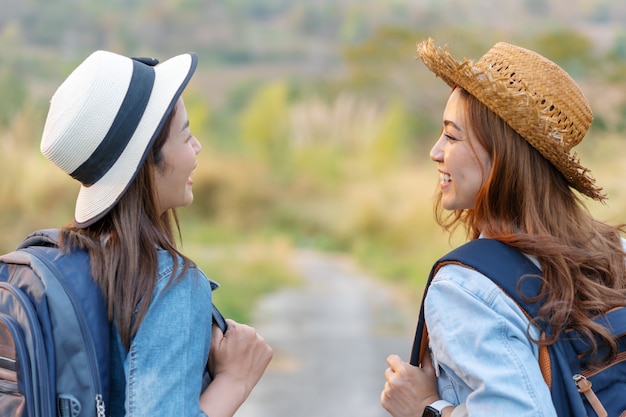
[507, 172]
[119, 126]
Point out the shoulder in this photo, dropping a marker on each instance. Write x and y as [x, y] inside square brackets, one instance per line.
[177, 284]
[470, 265]
[460, 291]
[466, 280]
[182, 301]
[459, 296]
[463, 304]
[169, 265]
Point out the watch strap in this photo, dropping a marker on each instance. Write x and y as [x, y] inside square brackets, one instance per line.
[437, 407]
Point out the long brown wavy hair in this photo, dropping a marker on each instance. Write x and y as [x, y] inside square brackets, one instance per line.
[526, 203]
[123, 245]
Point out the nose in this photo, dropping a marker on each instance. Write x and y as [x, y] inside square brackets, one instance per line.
[436, 153]
[197, 146]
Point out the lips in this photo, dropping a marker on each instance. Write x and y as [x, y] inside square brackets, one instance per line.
[444, 177]
[189, 179]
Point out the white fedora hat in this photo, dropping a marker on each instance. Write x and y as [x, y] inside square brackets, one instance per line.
[104, 119]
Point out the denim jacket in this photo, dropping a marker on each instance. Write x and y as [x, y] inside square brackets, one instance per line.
[482, 355]
[161, 374]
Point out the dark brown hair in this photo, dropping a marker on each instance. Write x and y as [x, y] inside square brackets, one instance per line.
[527, 203]
[123, 245]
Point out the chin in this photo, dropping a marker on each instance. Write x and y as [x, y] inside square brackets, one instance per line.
[451, 206]
[447, 205]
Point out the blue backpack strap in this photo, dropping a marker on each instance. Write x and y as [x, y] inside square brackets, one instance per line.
[505, 266]
[50, 237]
[521, 280]
[614, 320]
[498, 261]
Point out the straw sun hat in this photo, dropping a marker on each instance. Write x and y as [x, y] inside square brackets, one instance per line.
[533, 95]
[104, 119]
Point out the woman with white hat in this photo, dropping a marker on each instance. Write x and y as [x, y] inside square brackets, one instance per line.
[507, 173]
[119, 126]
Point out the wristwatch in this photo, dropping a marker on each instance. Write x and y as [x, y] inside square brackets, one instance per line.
[434, 410]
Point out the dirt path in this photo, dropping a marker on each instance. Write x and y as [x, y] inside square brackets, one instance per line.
[330, 338]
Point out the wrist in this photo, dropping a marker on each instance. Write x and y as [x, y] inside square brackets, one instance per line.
[223, 397]
[430, 400]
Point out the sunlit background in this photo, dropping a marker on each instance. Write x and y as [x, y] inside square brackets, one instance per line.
[315, 119]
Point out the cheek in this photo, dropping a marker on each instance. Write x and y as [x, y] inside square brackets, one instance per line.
[485, 165]
[480, 173]
[471, 173]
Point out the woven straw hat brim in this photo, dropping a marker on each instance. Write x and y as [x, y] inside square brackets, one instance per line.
[68, 143]
[534, 96]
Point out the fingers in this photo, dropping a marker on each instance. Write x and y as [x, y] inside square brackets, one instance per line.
[241, 328]
[394, 362]
[407, 386]
[241, 340]
[426, 361]
[216, 333]
[241, 355]
[242, 333]
[427, 364]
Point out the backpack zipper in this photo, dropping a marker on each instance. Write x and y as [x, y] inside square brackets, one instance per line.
[100, 408]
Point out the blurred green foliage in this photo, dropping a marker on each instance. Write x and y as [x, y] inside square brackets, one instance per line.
[263, 122]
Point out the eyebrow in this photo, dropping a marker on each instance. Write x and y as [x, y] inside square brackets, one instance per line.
[451, 123]
[185, 125]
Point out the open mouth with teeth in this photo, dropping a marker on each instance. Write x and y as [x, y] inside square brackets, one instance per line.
[445, 177]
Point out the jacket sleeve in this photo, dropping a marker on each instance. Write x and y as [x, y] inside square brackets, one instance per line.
[481, 350]
[170, 351]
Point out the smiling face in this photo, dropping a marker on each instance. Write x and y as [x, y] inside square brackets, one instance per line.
[173, 174]
[463, 164]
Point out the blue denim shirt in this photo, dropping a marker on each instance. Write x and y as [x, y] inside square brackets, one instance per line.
[485, 362]
[161, 374]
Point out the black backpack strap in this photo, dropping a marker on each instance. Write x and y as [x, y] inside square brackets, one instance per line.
[219, 319]
[501, 263]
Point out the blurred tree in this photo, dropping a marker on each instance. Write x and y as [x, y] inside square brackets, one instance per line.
[537, 7]
[618, 50]
[390, 143]
[320, 19]
[263, 123]
[354, 25]
[602, 12]
[599, 124]
[372, 63]
[621, 121]
[567, 47]
[199, 113]
[14, 95]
